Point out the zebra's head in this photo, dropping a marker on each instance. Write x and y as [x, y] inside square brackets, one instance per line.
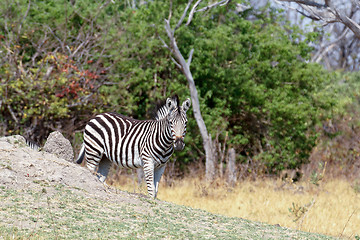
[177, 120]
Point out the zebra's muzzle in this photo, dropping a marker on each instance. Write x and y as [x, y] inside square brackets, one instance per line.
[179, 144]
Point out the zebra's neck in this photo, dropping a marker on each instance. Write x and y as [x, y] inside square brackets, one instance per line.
[161, 113]
[163, 136]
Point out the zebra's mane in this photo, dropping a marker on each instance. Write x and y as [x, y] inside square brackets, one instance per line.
[161, 111]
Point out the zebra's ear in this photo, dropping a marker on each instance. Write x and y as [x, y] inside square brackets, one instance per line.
[171, 104]
[186, 104]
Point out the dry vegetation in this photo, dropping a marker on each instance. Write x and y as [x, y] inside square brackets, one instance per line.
[45, 197]
[331, 207]
[326, 200]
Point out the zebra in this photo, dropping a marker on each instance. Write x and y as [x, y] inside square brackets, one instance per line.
[131, 143]
[33, 145]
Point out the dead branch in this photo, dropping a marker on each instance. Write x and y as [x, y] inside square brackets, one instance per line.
[184, 66]
[221, 3]
[24, 17]
[324, 49]
[183, 15]
[327, 13]
[12, 114]
[190, 56]
[193, 10]
[305, 2]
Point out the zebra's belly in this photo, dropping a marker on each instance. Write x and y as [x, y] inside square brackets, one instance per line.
[160, 161]
[128, 159]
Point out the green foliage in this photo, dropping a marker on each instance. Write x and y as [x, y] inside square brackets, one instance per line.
[53, 66]
[253, 78]
[340, 130]
[254, 83]
[37, 99]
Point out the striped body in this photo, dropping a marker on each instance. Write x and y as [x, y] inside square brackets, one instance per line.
[123, 140]
[131, 143]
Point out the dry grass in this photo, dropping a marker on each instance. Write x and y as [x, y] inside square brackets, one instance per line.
[332, 208]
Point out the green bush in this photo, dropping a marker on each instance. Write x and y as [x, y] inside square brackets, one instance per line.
[47, 96]
[253, 77]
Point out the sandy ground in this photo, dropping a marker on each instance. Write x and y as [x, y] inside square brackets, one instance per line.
[23, 168]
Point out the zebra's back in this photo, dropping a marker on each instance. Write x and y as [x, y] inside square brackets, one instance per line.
[119, 138]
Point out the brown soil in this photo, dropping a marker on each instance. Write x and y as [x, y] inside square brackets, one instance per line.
[24, 168]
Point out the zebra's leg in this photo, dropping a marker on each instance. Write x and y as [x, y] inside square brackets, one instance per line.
[149, 176]
[95, 159]
[92, 161]
[158, 172]
[104, 168]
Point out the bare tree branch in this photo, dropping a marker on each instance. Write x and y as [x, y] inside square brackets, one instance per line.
[354, 27]
[328, 13]
[312, 17]
[170, 11]
[324, 49]
[184, 66]
[305, 2]
[191, 14]
[176, 63]
[25, 15]
[165, 45]
[325, 14]
[193, 10]
[190, 57]
[12, 114]
[340, 49]
[57, 38]
[221, 3]
[183, 15]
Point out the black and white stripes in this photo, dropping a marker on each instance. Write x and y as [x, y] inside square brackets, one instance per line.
[131, 143]
[32, 144]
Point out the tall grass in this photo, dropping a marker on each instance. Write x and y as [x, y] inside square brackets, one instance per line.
[331, 208]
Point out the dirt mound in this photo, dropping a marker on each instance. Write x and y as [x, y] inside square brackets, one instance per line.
[57, 144]
[24, 168]
[46, 197]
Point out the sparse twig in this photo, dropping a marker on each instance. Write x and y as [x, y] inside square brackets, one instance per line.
[192, 12]
[12, 114]
[348, 220]
[221, 3]
[309, 3]
[326, 12]
[183, 15]
[190, 57]
[24, 17]
[306, 213]
[324, 49]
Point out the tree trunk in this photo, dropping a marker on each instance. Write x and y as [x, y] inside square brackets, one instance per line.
[210, 158]
[207, 141]
[231, 167]
[185, 68]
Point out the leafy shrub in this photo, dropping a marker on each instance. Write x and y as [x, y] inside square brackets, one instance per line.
[47, 96]
[340, 130]
[254, 82]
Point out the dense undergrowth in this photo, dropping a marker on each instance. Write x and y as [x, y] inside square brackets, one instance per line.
[258, 91]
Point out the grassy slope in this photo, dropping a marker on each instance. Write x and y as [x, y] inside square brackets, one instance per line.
[55, 211]
[331, 207]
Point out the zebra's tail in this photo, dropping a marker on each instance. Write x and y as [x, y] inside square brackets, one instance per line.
[33, 145]
[81, 155]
